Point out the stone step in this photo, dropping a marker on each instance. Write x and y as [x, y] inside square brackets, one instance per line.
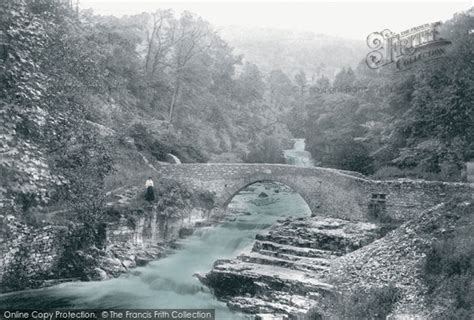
[328, 234]
[338, 246]
[266, 247]
[308, 264]
[230, 278]
[286, 240]
[271, 316]
[275, 305]
[286, 271]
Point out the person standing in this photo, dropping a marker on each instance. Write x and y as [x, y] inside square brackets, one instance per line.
[149, 193]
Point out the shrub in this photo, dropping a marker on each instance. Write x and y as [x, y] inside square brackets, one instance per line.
[144, 140]
[344, 153]
[388, 172]
[448, 172]
[205, 199]
[449, 270]
[18, 276]
[26, 200]
[173, 198]
[267, 151]
[366, 302]
[79, 253]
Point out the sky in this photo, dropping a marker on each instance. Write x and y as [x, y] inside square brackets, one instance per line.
[346, 19]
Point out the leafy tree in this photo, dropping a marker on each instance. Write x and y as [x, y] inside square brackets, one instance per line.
[345, 79]
[280, 89]
[301, 83]
[250, 85]
[268, 151]
[419, 120]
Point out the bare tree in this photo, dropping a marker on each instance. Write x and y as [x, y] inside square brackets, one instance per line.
[159, 40]
[195, 37]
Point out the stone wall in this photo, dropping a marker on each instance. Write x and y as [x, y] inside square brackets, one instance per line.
[406, 198]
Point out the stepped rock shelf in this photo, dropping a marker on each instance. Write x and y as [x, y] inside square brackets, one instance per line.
[285, 273]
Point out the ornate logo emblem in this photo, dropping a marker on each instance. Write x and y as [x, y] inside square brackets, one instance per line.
[403, 49]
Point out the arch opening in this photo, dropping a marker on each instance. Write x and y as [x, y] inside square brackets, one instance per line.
[269, 196]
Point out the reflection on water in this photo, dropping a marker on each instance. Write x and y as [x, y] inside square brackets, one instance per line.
[169, 282]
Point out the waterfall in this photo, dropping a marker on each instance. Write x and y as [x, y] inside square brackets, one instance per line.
[171, 158]
[153, 226]
[298, 156]
[138, 237]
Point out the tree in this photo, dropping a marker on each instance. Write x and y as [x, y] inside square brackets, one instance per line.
[301, 83]
[345, 79]
[193, 39]
[267, 151]
[280, 89]
[249, 86]
[322, 86]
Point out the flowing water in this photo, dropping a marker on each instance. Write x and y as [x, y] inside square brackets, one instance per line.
[169, 282]
[298, 156]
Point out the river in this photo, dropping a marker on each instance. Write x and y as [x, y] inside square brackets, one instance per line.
[169, 282]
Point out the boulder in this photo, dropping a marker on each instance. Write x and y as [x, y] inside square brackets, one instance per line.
[98, 275]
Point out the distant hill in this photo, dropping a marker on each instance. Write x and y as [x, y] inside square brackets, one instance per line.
[292, 51]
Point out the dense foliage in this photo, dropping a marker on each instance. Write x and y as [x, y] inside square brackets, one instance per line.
[73, 82]
[413, 123]
[449, 268]
[367, 303]
[361, 302]
[51, 152]
[160, 148]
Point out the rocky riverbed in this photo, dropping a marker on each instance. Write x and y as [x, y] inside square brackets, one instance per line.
[285, 273]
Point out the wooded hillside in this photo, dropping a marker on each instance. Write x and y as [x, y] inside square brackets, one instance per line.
[81, 92]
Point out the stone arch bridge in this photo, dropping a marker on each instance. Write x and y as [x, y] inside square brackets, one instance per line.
[329, 192]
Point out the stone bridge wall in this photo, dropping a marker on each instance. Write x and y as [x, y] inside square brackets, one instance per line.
[328, 192]
[405, 198]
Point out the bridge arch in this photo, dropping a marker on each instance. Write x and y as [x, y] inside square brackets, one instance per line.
[325, 191]
[232, 189]
[238, 188]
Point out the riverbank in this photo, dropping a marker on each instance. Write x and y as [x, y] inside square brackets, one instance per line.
[323, 268]
[286, 272]
[132, 233]
[421, 270]
[169, 281]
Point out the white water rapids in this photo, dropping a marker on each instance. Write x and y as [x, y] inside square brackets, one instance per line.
[169, 282]
[298, 156]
